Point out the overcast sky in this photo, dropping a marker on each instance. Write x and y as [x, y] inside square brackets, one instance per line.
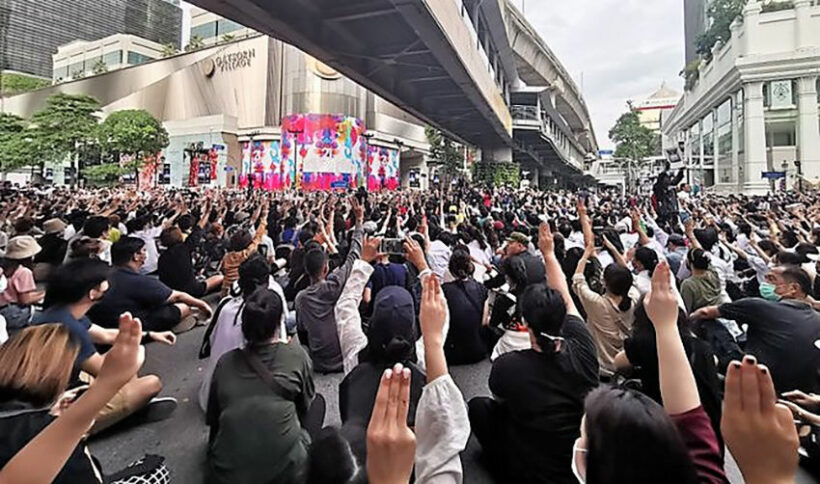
[625, 49]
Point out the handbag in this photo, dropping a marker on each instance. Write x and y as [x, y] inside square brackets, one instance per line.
[150, 469]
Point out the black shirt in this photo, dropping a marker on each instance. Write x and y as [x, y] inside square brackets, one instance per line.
[176, 268]
[544, 395]
[782, 336]
[465, 299]
[128, 291]
[20, 423]
[53, 250]
[642, 351]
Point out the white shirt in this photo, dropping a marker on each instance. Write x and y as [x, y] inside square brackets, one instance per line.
[438, 256]
[149, 236]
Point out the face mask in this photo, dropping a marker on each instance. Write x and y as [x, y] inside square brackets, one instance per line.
[767, 290]
[575, 451]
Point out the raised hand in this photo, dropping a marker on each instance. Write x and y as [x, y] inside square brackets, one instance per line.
[370, 249]
[546, 242]
[126, 357]
[661, 302]
[414, 254]
[391, 445]
[433, 314]
[760, 433]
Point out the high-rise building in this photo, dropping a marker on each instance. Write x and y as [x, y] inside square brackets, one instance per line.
[211, 28]
[82, 58]
[30, 32]
[695, 24]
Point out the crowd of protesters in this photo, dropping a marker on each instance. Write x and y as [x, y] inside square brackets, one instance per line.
[631, 339]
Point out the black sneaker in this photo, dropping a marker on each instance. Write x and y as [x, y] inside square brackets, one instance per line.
[157, 409]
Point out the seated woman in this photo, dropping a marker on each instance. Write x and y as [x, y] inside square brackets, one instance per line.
[176, 268]
[527, 428]
[467, 301]
[21, 291]
[225, 330]
[35, 368]
[391, 338]
[241, 247]
[262, 405]
[641, 352]
[675, 443]
[704, 287]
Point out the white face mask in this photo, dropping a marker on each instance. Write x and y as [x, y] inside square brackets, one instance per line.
[575, 451]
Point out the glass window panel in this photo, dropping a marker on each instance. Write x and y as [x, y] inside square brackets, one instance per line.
[113, 58]
[204, 31]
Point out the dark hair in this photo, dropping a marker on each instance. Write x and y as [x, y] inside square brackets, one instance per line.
[253, 273]
[315, 261]
[96, 226]
[125, 249]
[170, 237]
[789, 238]
[261, 316]
[788, 258]
[618, 281]
[331, 460]
[631, 439]
[648, 258]
[185, 222]
[23, 225]
[796, 275]
[71, 282]
[240, 240]
[515, 269]
[544, 311]
[804, 249]
[768, 247]
[698, 259]
[461, 264]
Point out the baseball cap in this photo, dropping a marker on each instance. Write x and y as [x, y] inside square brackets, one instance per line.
[518, 237]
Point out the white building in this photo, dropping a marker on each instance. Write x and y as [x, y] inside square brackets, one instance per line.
[655, 109]
[83, 58]
[754, 107]
[212, 28]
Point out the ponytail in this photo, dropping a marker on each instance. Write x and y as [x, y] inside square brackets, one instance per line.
[626, 303]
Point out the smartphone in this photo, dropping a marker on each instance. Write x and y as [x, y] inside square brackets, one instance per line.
[392, 246]
[263, 249]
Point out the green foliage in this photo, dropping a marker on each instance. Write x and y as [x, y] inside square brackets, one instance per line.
[721, 14]
[66, 123]
[169, 50]
[99, 67]
[195, 43]
[633, 141]
[11, 84]
[691, 74]
[497, 174]
[132, 131]
[778, 6]
[109, 173]
[444, 151]
[78, 74]
[15, 147]
[228, 38]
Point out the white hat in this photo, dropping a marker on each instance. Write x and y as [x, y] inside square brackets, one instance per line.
[22, 247]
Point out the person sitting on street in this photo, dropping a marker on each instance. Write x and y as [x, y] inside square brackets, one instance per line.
[159, 307]
[21, 291]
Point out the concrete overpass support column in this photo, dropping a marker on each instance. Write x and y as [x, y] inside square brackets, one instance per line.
[497, 154]
[808, 138]
[755, 139]
[535, 178]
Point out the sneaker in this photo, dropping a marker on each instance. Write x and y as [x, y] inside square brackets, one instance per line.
[185, 325]
[159, 408]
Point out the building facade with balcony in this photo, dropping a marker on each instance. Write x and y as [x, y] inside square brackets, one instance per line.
[83, 58]
[754, 107]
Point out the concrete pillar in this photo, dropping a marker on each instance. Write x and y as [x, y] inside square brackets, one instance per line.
[736, 171]
[751, 18]
[535, 176]
[755, 139]
[498, 154]
[808, 135]
[802, 28]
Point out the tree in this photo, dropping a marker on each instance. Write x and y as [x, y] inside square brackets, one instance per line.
[132, 132]
[100, 67]
[228, 38]
[633, 141]
[445, 152]
[721, 14]
[14, 144]
[11, 84]
[169, 50]
[78, 74]
[195, 43]
[65, 127]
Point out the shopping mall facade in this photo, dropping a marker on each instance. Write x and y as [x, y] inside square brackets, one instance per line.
[258, 111]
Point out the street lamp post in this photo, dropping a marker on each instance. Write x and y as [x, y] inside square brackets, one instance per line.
[298, 176]
[799, 165]
[785, 166]
[365, 171]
